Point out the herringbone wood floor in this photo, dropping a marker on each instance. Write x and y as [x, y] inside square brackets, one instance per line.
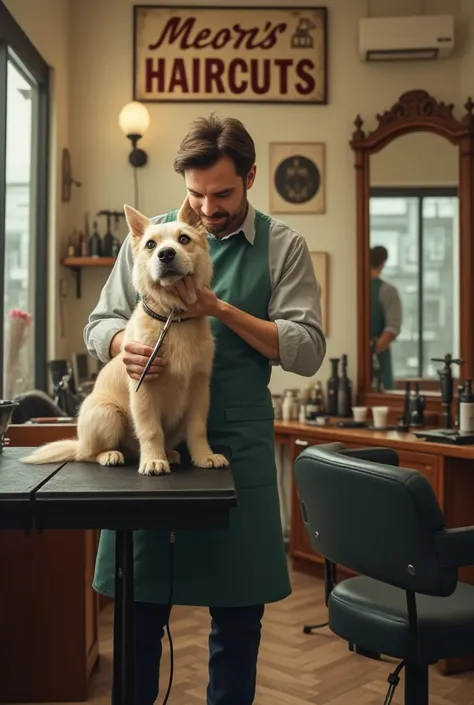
[294, 668]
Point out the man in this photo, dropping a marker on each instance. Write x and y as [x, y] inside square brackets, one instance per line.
[385, 314]
[265, 310]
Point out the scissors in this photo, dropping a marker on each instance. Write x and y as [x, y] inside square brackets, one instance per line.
[156, 349]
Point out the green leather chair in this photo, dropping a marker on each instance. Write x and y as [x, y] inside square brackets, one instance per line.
[382, 521]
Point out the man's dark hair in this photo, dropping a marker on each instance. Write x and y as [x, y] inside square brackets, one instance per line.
[378, 256]
[209, 139]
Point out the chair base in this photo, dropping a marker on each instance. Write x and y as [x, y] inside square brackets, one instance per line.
[416, 684]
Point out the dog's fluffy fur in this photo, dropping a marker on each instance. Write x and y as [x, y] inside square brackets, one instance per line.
[167, 410]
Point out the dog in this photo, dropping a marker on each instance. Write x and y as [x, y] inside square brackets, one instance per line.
[175, 406]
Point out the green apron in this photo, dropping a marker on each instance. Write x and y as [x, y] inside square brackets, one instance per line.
[244, 564]
[377, 327]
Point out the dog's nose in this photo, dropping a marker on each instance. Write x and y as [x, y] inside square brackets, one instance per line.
[167, 254]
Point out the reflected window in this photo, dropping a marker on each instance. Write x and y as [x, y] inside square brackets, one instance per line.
[420, 230]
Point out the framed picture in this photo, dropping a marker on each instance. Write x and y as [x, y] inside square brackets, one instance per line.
[320, 262]
[297, 178]
[218, 54]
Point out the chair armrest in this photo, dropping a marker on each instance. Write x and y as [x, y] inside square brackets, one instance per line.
[385, 456]
[455, 547]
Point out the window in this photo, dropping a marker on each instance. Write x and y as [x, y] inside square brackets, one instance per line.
[420, 229]
[24, 94]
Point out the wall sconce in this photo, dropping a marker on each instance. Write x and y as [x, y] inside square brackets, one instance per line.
[134, 120]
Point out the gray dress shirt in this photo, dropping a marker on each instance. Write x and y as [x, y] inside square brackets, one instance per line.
[392, 308]
[294, 305]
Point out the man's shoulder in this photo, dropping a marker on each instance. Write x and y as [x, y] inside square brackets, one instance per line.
[388, 290]
[282, 232]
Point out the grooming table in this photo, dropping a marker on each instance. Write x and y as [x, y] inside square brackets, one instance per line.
[86, 496]
[18, 483]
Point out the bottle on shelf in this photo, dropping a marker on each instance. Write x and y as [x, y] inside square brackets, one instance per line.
[95, 243]
[332, 387]
[344, 400]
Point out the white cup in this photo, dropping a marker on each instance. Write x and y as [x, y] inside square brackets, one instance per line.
[359, 413]
[380, 415]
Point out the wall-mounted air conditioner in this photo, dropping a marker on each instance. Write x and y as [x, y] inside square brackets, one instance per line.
[406, 38]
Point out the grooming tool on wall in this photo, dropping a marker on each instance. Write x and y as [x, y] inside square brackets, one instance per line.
[417, 406]
[156, 349]
[446, 382]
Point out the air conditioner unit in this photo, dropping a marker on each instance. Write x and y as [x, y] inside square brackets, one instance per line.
[406, 38]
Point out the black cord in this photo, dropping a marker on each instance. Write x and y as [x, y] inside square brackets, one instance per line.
[135, 181]
[170, 604]
[394, 680]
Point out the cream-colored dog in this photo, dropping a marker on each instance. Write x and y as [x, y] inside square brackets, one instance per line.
[175, 406]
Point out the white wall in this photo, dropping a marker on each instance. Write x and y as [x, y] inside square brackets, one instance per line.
[100, 84]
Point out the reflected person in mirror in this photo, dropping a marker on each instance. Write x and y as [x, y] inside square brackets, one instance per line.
[385, 314]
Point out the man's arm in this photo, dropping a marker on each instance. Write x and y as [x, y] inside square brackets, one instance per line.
[295, 304]
[392, 307]
[261, 335]
[104, 331]
[293, 338]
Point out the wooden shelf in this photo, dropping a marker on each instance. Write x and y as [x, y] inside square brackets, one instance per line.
[76, 265]
[89, 261]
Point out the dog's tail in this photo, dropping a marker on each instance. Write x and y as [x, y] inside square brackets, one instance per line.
[55, 452]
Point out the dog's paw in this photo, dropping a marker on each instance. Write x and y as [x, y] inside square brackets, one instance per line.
[174, 457]
[214, 460]
[154, 467]
[111, 457]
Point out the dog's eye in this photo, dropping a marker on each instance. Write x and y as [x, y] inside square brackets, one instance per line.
[151, 244]
[184, 239]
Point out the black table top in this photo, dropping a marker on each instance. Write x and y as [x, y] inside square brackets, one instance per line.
[86, 495]
[18, 482]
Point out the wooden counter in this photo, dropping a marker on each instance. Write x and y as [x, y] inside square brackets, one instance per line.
[450, 470]
[48, 609]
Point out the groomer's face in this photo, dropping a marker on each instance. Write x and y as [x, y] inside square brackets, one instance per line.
[219, 195]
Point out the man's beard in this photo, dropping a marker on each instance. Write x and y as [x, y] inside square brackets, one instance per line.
[225, 226]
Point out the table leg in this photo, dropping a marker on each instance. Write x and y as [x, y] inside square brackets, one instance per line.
[124, 623]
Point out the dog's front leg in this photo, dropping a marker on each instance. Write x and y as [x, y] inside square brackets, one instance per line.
[196, 426]
[148, 428]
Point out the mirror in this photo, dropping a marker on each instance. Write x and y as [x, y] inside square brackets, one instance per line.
[414, 258]
[414, 178]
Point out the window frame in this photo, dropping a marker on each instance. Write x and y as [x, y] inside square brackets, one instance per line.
[16, 46]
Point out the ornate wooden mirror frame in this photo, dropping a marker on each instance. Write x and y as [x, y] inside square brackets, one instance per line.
[415, 111]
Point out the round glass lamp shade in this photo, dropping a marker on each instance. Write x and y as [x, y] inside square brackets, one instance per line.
[134, 119]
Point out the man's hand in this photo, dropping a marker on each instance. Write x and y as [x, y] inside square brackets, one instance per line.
[198, 303]
[135, 357]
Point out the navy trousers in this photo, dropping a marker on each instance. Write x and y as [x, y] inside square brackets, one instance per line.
[234, 642]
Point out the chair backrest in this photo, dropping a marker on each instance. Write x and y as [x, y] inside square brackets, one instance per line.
[374, 518]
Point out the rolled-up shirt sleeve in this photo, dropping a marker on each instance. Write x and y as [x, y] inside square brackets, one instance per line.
[392, 308]
[295, 304]
[114, 308]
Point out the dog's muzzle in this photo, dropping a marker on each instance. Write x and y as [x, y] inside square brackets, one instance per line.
[166, 254]
[169, 264]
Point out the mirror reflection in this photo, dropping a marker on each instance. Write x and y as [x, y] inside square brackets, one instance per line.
[414, 255]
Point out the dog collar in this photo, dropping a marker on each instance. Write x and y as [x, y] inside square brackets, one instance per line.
[159, 317]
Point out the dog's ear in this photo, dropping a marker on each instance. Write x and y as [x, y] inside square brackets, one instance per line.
[137, 222]
[190, 217]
